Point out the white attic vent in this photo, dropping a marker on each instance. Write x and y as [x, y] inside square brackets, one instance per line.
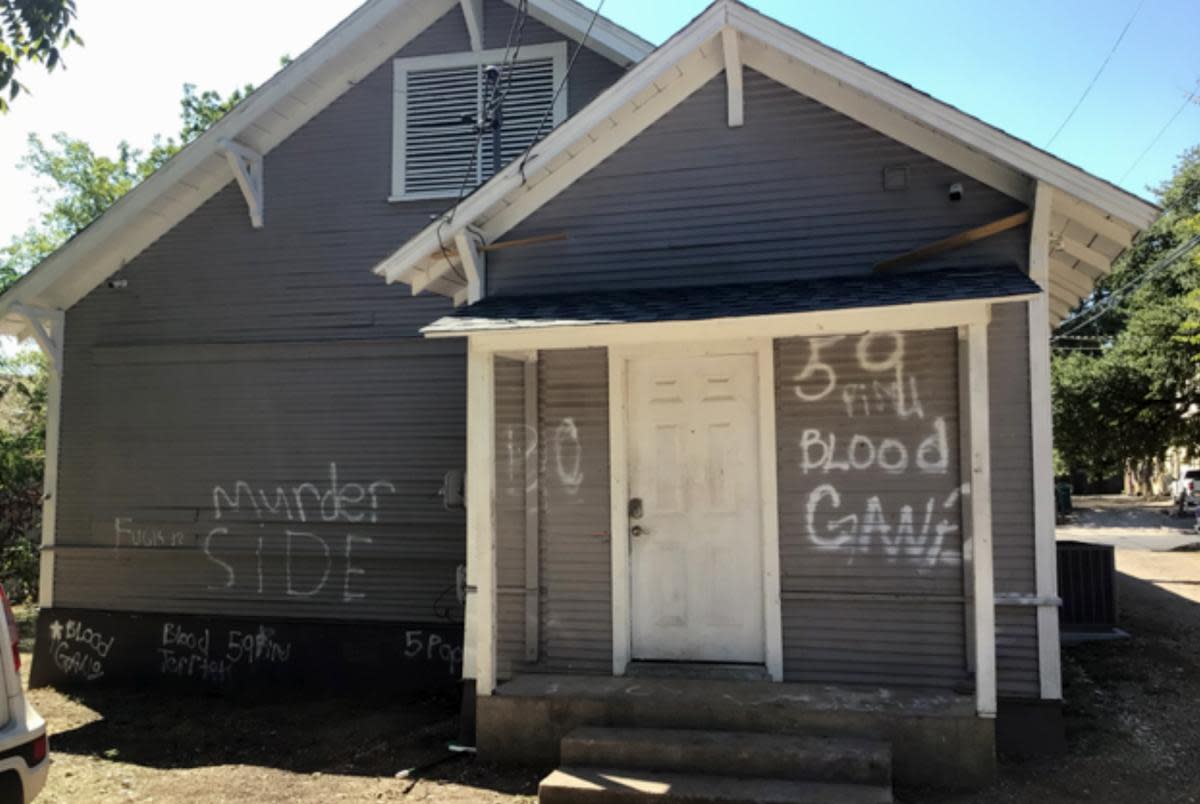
[438, 97]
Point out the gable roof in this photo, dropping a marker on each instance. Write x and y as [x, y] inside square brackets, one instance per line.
[1092, 220]
[349, 52]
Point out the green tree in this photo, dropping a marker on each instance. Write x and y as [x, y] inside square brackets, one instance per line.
[1125, 381]
[32, 31]
[22, 456]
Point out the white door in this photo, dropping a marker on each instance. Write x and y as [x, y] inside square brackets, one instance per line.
[695, 520]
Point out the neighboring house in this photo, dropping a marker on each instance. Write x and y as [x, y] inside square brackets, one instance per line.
[723, 469]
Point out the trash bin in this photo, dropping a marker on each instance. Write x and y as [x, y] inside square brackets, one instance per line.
[1062, 499]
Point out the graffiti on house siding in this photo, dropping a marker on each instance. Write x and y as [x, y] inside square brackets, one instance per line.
[128, 532]
[923, 532]
[279, 551]
[79, 650]
[561, 460]
[208, 654]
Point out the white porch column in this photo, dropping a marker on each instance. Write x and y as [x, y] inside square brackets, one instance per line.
[981, 520]
[1049, 659]
[50, 482]
[47, 327]
[481, 514]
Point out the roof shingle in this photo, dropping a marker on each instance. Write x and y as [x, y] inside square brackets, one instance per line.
[699, 303]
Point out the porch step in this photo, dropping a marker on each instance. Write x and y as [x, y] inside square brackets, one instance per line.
[844, 760]
[569, 785]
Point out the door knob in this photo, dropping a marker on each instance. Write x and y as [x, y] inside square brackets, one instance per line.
[637, 530]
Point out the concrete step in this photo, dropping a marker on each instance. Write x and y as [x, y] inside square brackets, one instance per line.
[846, 760]
[599, 786]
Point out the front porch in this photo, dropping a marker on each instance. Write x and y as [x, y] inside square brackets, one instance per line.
[794, 497]
[936, 736]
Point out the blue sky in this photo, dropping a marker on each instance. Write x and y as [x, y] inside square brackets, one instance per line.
[1020, 65]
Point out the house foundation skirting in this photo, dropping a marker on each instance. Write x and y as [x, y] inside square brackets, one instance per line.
[80, 648]
[937, 738]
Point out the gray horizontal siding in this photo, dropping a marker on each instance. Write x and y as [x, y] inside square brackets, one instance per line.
[265, 356]
[797, 191]
[1012, 461]
[878, 596]
[183, 480]
[510, 513]
[575, 564]
[1017, 673]
[1012, 498]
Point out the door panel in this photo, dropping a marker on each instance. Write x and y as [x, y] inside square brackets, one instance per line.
[696, 549]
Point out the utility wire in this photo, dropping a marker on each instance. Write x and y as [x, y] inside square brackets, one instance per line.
[1191, 96]
[1110, 301]
[558, 91]
[1096, 77]
[485, 112]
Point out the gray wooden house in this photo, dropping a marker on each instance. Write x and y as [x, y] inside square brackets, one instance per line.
[746, 362]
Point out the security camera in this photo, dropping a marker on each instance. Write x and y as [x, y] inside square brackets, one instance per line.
[956, 191]
[491, 73]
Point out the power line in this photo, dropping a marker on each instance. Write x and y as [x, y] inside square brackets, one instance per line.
[486, 111]
[1191, 96]
[1110, 301]
[558, 91]
[1096, 77]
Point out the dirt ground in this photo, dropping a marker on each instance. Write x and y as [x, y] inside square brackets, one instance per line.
[1131, 710]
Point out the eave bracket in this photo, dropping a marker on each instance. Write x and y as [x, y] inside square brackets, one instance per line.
[46, 327]
[247, 165]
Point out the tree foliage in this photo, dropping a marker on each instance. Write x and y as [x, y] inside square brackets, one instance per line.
[32, 31]
[22, 455]
[1126, 382]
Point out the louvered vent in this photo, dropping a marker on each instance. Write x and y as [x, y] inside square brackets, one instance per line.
[439, 140]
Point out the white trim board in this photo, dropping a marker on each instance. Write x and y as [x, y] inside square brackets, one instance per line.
[606, 37]
[1041, 445]
[980, 525]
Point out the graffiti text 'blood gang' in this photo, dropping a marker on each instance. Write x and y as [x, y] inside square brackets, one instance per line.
[78, 649]
[298, 508]
[923, 531]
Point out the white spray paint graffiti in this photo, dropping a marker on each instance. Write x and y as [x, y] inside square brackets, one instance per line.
[432, 647]
[854, 535]
[306, 503]
[192, 653]
[563, 456]
[820, 452]
[126, 531]
[923, 534]
[79, 650]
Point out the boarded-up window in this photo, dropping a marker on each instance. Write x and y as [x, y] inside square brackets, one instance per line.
[438, 148]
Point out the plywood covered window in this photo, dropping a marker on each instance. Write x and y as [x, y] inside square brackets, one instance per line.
[436, 147]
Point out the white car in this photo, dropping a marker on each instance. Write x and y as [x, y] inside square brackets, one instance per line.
[1185, 492]
[24, 750]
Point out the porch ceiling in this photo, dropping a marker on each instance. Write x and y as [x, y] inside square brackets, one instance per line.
[704, 302]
